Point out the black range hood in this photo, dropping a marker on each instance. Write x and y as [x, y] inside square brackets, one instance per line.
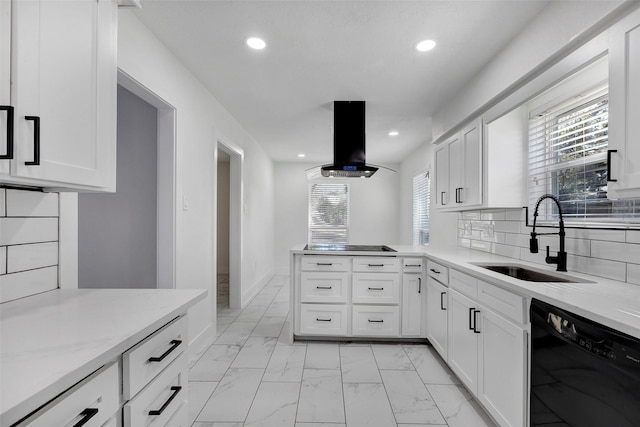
[348, 142]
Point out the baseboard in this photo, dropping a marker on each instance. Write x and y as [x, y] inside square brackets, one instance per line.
[248, 295]
[201, 343]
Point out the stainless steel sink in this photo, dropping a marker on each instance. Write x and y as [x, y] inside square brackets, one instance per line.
[523, 273]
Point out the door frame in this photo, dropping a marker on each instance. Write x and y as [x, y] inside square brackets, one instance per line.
[236, 210]
[166, 179]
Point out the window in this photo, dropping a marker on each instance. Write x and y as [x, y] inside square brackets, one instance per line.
[568, 158]
[329, 213]
[421, 200]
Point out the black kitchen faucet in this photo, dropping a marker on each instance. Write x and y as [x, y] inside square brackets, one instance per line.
[561, 258]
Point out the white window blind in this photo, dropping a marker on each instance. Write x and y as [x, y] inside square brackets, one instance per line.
[568, 158]
[329, 213]
[421, 201]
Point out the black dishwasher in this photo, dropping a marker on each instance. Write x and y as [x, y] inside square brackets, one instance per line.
[583, 374]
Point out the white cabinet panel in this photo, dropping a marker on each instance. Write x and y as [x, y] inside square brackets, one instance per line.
[323, 319]
[465, 284]
[325, 263]
[438, 272]
[5, 82]
[376, 288]
[437, 321]
[413, 305]
[324, 287]
[462, 340]
[504, 302]
[377, 321]
[376, 264]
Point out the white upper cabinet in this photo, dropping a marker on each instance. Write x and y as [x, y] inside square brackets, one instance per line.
[63, 89]
[6, 113]
[624, 108]
[459, 169]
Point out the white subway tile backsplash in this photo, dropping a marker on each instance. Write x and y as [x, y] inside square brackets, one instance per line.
[29, 257]
[633, 236]
[520, 240]
[32, 203]
[17, 231]
[615, 251]
[596, 234]
[3, 209]
[3, 259]
[470, 215]
[25, 283]
[515, 215]
[633, 273]
[597, 267]
[507, 226]
[493, 215]
[506, 250]
[481, 246]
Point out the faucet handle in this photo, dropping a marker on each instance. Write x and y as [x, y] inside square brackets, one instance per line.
[533, 243]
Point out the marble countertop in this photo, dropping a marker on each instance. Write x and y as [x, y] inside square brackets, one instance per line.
[50, 341]
[612, 303]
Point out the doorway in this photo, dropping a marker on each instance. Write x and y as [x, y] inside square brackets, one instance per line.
[229, 160]
[127, 239]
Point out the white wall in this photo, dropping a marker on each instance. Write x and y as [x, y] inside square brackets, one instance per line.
[117, 232]
[201, 122]
[374, 209]
[222, 256]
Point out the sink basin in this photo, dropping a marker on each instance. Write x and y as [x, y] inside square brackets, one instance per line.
[523, 273]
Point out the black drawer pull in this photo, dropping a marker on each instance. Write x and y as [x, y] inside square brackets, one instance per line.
[471, 318]
[176, 389]
[442, 307]
[9, 110]
[376, 289]
[434, 270]
[442, 198]
[174, 344]
[475, 322]
[323, 320]
[419, 285]
[376, 321]
[86, 415]
[609, 179]
[324, 263]
[36, 140]
[413, 265]
[323, 287]
[376, 265]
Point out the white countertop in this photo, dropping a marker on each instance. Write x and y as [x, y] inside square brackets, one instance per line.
[612, 303]
[50, 341]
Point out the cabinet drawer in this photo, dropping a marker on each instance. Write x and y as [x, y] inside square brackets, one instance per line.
[376, 288]
[159, 401]
[146, 359]
[412, 265]
[376, 264]
[180, 418]
[324, 287]
[325, 263]
[464, 283]
[323, 319]
[502, 301]
[96, 398]
[376, 321]
[438, 272]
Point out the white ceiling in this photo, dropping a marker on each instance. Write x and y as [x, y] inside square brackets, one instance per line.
[321, 51]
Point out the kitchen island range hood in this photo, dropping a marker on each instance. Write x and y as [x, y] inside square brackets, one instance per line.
[348, 142]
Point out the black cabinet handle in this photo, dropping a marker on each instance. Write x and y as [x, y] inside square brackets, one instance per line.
[376, 289]
[609, 179]
[419, 285]
[36, 140]
[324, 263]
[376, 265]
[323, 320]
[475, 321]
[459, 195]
[434, 270]
[471, 317]
[176, 389]
[442, 307]
[323, 287]
[174, 344]
[413, 265]
[375, 321]
[442, 193]
[9, 110]
[86, 415]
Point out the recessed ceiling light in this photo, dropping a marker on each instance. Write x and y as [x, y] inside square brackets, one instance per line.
[256, 43]
[394, 133]
[425, 45]
[301, 155]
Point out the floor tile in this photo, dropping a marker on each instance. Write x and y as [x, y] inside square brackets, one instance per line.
[214, 363]
[366, 405]
[286, 364]
[430, 366]
[391, 356]
[410, 400]
[275, 405]
[236, 333]
[209, 424]
[358, 365]
[319, 425]
[269, 327]
[278, 308]
[322, 356]
[458, 407]
[233, 396]
[255, 353]
[198, 394]
[321, 397]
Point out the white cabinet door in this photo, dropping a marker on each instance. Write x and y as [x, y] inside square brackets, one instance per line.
[470, 192]
[5, 85]
[413, 303]
[502, 368]
[64, 82]
[462, 340]
[437, 316]
[442, 176]
[624, 108]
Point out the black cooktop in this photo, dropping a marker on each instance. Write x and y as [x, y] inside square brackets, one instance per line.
[355, 248]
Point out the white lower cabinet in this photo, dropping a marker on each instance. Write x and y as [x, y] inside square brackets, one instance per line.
[414, 294]
[375, 321]
[463, 339]
[323, 319]
[437, 301]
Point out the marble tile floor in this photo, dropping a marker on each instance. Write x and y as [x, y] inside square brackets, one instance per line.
[251, 376]
[222, 291]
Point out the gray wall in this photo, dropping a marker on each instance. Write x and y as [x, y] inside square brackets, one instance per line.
[222, 233]
[117, 232]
